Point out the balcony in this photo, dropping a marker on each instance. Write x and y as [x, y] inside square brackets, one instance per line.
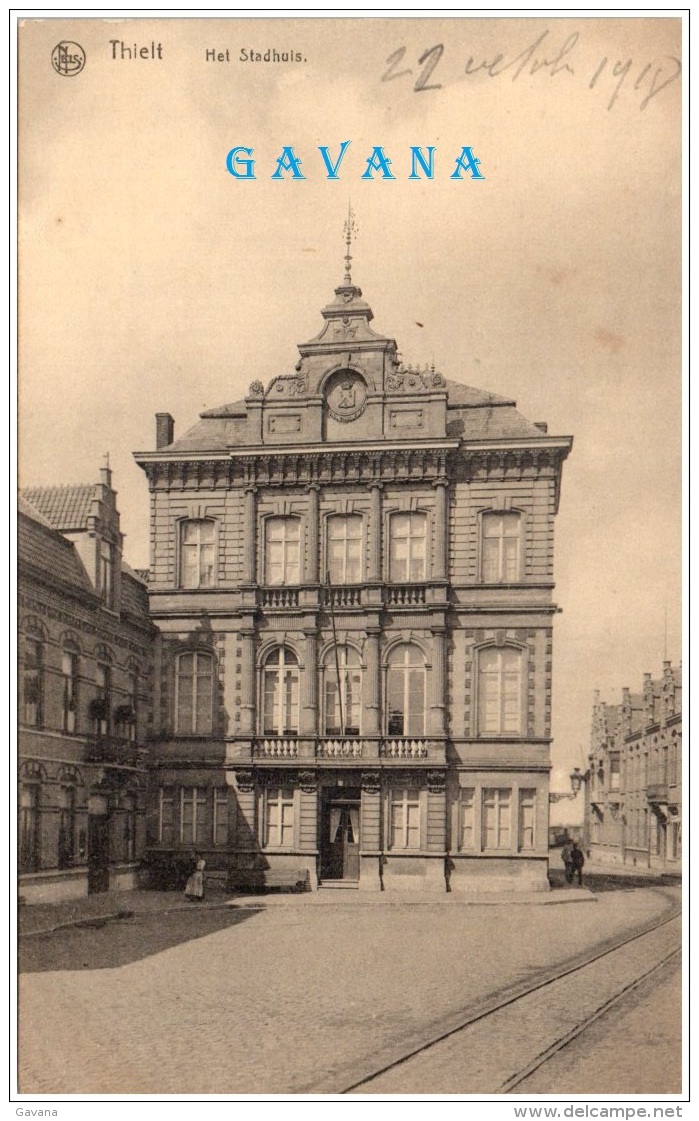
[405, 595]
[343, 595]
[341, 749]
[279, 597]
[114, 750]
[276, 747]
[404, 748]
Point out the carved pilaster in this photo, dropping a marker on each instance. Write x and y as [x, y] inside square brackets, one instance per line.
[375, 533]
[313, 502]
[247, 681]
[438, 706]
[249, 535]
[309, 688]
[372, 704]
[436, 782]
[441, 528]
[371, 782]
[245, 781]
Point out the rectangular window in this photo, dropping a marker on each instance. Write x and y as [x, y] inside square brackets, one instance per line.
[197, 553]
[467, 819]
[345, 549]
[104, 699]
[282, 551]
[497, 810]
[29, 829]
[33, 682]
[128, 828]
[69, 670]
[408, 548]
[500, 548]
[106, 573]
[527, 807]
[614, 772]
[405, 819]
[193, 815]
[66, 826]
[220, 829]
[132, 702]
[166, 815]
[279, 818]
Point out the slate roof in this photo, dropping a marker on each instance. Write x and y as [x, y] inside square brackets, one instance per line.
[65, 507]
[44, 549]
[472, 414]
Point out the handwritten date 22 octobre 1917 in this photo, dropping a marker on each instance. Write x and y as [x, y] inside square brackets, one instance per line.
[644, 79]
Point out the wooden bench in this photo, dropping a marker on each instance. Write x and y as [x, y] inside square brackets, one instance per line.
[262, 879]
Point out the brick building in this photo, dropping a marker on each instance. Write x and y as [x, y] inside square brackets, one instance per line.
[85, 644]
[351, 578]
[634, 788]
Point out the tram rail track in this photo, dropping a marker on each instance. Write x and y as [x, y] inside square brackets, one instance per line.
[361, 1076]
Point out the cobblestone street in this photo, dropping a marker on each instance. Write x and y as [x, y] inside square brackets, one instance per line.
[279, 995]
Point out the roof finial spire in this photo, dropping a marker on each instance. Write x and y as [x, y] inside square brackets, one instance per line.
[351, 231]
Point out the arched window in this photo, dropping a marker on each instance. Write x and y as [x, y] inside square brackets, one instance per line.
[194, 689]
[501, 547]
[280, 691]
[197, 553]
[406, 691]
[343, 701]
[282, 551]
[344, 540]
[408, 548]
[500, 691]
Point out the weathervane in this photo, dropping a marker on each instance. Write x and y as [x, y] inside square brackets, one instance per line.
[351, 230]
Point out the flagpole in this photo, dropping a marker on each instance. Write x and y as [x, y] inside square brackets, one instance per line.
[337, 656]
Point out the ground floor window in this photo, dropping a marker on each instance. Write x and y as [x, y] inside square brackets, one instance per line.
[526, 830]
[166, 815]
[497, 812]
[467, 819]
[193, 815]
[279, 817]
[29, 828]
[405, 819]
[66, 826]
[220, 822]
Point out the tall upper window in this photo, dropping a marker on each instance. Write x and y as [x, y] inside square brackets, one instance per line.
[106, 573]
[343, 692]
[280, 689]
[500, 691]
[614, 772]
[282, 551]
[406, 692]
[66, 826]
[132, 703]
[405, 819]
[497, 811]
[408, 548]
[345, 549]
[501, 547]
[33, 682]
[197, 553]
[194, 694]
[103, 701]
[69, 673]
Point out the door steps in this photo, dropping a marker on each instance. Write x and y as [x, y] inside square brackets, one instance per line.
[342, 885]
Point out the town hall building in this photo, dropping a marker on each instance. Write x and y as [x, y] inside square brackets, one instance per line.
[352, 584]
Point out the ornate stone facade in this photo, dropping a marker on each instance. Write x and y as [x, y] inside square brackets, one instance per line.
[351, 577]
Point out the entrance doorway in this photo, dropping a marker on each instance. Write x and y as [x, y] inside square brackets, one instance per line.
[339, 845]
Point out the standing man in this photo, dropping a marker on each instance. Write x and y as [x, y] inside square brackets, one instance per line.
[577, 860]
[567, 858]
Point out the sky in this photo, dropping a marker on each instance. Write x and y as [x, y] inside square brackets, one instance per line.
[152, 280]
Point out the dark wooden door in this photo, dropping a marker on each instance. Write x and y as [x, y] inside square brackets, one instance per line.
[341, 855]
[97, 852]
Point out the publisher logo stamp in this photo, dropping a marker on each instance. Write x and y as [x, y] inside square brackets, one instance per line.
[67, 58]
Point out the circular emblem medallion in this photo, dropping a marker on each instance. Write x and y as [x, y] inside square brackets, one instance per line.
[67, 58]
[346, 395]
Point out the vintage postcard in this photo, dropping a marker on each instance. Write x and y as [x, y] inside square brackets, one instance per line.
[349, 540]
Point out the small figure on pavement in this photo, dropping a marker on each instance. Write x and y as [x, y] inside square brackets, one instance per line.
[567, 858]
[578, 859]
[194, 889]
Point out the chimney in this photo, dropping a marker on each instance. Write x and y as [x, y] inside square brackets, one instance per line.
[541, 425]
[164, 430]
